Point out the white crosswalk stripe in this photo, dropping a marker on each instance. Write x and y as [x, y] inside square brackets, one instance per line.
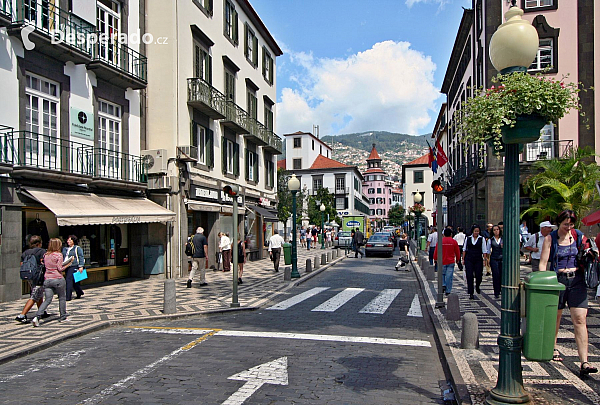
[337, 301]
[298, 298]
[381, 303]
[415, 308]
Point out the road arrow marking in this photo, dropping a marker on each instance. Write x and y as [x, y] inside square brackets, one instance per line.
[274, 372]
[415, 308]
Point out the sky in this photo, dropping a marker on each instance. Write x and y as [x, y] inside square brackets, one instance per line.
[353, 66]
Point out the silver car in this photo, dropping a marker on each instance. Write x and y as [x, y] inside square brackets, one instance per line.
[379, 244]
[342, 239]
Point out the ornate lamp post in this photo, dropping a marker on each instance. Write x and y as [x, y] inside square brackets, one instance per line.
[417, 198]
[294, 187]
[322, 209]
[512, 49]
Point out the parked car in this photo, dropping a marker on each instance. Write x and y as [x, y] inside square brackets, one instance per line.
[342, 239]
[389, 235]
[379, 243]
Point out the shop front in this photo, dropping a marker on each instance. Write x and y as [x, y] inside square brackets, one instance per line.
[260, 222]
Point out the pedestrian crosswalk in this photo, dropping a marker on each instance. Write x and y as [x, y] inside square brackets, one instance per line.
[378, 305]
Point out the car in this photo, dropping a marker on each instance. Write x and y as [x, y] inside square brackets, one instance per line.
[342, 239]
[379, 243]
[389, 235]
[388, 228]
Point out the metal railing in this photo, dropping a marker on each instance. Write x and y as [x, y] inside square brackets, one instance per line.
[341, 190]
[6, 8]
[236, 114]
[273, 140]
[115, 165]
[55, 22]
[200, 91]
[545, 149]
[120, 56]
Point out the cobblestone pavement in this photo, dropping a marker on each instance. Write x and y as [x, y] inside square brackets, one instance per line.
[547, 382]
[141, 299]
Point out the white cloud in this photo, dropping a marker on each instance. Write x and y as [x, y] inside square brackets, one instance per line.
[410, 3]
[388, 87]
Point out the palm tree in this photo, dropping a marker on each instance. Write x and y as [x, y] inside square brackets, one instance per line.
[562, 184]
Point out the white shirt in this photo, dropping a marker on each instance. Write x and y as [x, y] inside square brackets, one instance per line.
[484, 245]
[531, 243]
[225, 243]
[432, 239]
[276, 241]
[460, 239]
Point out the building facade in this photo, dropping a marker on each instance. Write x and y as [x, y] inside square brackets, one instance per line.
[417, 178]
[378, 188]
[211, 116]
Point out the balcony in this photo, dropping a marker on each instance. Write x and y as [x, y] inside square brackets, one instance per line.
[274, 142]
[118, 64]
[117, 169]
[70, 33]
[258, 133]
[6, 13]
[236, 118]
[341, 190]
[545, 149]
[205, 98]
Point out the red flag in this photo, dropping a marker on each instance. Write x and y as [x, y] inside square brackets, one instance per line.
[442, 159]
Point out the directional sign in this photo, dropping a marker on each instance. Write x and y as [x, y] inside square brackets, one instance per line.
[273, 372]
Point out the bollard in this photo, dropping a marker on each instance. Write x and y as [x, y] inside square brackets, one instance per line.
[308, 265]
[328, 257]
[337, 253]
[170, 304]
[323, 259]
[453, 307]
[317, 265]
[469, 338]
[429, 271]
[287, 274]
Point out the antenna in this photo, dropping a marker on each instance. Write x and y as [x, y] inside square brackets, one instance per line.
[316, 131]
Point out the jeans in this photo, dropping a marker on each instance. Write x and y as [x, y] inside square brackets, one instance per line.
[71, 284]
[308, 240]
[431, 252]
[447, 274]
[276, 252]
[54, 286]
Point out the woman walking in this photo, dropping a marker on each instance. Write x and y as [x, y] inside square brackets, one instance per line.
[74, 251]
[225, 248]
[54, 282]
[241, 259]
[494, 246]
[474, 253]
[559, 254]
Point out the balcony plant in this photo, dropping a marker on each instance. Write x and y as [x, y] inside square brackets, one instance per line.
[416, 209]
[519, 97]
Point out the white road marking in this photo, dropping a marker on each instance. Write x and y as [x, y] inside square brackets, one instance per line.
[63, 361]
[381, 303]
[338, 300]
[415, 308]
[273, 372]
[298, 298]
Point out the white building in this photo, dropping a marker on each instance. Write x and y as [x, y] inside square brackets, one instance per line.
[417, 178]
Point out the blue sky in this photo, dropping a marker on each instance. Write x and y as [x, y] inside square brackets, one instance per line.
[354, 66]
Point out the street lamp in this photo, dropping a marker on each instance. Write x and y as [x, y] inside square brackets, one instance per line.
[417, 198]
[513, 47]
[232, 191]
[322, 208]
[294, 186]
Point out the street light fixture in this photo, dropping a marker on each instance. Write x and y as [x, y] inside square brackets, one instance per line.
[322, 208]
[513, 48]
[294, 187]
[417, 198]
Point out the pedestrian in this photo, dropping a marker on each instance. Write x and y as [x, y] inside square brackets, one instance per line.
[314, 232]
[241, 258]
[37, 290]
[275, 244]
[54, 282]
[524, 236]
[535, 243]
[432, 240]
[74, 251]
[450, 255]
[199, 258]
[559, 254]
[359, 242]
[225, 248]
[460, 236]
[473, 256]
[495, 246]
[403, 248]
[487, 233]
[303, 237]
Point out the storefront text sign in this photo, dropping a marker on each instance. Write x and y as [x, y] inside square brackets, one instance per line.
[206, 193]
[126, 220]
[225, 197]
[82, 124]
[265, 202]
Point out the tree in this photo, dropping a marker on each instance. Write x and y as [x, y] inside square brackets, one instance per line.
[396, 215]
[314, 203]
[562, 184]
[284, 196]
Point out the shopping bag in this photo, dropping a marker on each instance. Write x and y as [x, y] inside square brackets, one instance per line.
[77, 276]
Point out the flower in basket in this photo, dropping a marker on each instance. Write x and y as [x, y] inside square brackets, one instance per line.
[518, 96]
[417, 208]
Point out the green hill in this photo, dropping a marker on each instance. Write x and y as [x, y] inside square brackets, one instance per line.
[385, 141]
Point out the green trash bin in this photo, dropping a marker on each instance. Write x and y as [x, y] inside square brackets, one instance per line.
[541, 291]
[287, 253]
[423, 242]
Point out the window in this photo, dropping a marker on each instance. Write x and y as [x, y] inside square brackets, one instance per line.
[229, 160]
[371, 201]
[230, 157]
[229, 85]
[252, 104]
[320, 149]
[202, 63]
[418, 176]
[545, 55]
[270, 168]
[539, 5]
[317, 183]
[340, 203]
[371, 191]
[371, 212]
[297, 142]
[251, 46]
[340, 184]
[268, 116]
[205, 5]
[251, 165]
[108, 17]
[41, 120]
[231, 22]
[378, 190]
[313, 144]
[202, 138]
[109, 138]
[267, 70]
[297, 164]
[379, 211]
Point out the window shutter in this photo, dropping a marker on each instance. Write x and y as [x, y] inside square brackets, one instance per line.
[210, 7]
[345, 203]
[246, 41]
[236, 159]
[193, 137]
[247, 164]
[255, 167]
[210, 149]
[271, 174]
[224, 155]
[264, 60]
[270, 70]
[209, 69]
[235, 27]
[255, 51]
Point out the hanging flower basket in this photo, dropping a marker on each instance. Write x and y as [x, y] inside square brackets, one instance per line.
[526, 129]
[497, 146]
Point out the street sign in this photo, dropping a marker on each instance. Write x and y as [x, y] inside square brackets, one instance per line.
[273, 372]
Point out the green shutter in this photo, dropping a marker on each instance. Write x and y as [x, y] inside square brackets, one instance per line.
[209, 69]
[224, 155]
[271, 174]
[210, 7]
[255, 51]
[346, 203]
[210, 149]
[246, 40]
[193, 137]
[264, 59]
[247, 165]
[235, 27]
[256, 167]
[271, 71]
[236, 159]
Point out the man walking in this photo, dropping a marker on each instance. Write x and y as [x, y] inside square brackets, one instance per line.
[450, 255]
[275, 244]
[535, 242]
[432, 241]
[199, 257]
[359, 240]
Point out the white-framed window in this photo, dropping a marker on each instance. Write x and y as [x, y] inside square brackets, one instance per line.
[250, 163]
[538, 3]
[109, 138]
[270, 171]
[340, 184]
[544, 56]
[42, 117]
[200, 141]
[230, 158]
[202, 63]
[251, 46]
[317, 184]
[379, 211]
[340, 203]
[268, 116]
[108, 23]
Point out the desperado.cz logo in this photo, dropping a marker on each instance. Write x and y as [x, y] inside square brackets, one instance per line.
[27, 29]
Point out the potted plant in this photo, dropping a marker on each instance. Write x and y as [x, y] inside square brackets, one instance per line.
[515, 109]
[417, 209]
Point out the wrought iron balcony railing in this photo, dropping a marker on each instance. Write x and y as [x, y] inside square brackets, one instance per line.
[202, 93]
[546, 149]
[120, 56]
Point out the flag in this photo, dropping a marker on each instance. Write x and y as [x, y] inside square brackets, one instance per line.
[442, 159]
[432, 162]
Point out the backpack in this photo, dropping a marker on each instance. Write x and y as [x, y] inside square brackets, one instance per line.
[32, 270]
[190, 249]
[591, 266]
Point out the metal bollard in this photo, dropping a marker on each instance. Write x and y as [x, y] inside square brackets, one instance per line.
[287, 274]
[317, 265]
[308, 265]
[170, 303]
[469, 338]
[453, 307]
[328, 257]
[323, 258]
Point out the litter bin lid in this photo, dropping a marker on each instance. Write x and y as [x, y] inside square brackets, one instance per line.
[543, 280]
[287, 245]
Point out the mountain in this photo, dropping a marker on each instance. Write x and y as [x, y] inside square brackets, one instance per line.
[394, 149]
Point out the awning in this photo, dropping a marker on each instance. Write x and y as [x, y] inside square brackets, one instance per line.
[592, 219]
[73, 208]
[212, 207]
[267, 214]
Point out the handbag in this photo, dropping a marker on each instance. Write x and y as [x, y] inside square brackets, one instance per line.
[591, 266]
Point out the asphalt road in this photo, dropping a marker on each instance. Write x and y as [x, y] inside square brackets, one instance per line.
[355, 334]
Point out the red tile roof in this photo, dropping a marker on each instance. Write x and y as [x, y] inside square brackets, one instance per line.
[419, 161]
[322, 162]
[281, 164]
[374, 154]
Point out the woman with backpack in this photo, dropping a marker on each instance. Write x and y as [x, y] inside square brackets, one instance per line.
[559, 254]
[37, 289]
[74, 251]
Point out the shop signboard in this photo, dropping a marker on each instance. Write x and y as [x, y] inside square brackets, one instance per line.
[203, 193]
[352, 222]
[82, 124]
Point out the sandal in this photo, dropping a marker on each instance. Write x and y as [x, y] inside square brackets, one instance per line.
[588, 369]
[556, 356]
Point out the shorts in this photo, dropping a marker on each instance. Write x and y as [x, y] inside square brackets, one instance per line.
[37, 293]
[575, 295]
